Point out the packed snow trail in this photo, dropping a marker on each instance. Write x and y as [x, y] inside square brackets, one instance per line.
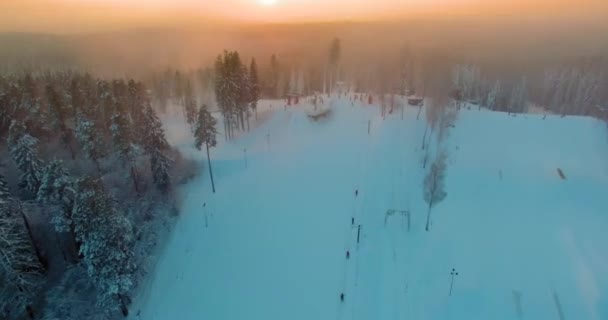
[525, 243]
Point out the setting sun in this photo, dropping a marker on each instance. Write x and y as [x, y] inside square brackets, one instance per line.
[268, 3]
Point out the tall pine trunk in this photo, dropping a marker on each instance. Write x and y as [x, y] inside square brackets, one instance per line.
[98, 167]
[210, 170]
[26, 223]
[242, 121]
[428, 216]
[424, 136]
[134, 179]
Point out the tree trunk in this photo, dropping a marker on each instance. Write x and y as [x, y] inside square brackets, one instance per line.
[98, 167]
[210, 171]
[41, 259]
[123, 305]
[242, 121]
[424, 136]
[71, 150]
[134, 178]
[428, 216]
[65, 258]
[76, 248]
[225, 128]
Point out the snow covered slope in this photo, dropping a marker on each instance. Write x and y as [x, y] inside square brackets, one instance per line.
[271, 243]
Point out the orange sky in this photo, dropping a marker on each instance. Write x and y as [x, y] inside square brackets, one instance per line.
[74, 16]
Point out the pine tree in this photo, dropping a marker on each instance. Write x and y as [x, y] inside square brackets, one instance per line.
[434, 189]
[107, 242]
[77, 98]
[90, 140]
[254, 87]
[335, 52]
[20, 267]
[138, 100]
[58, 188]
[160, 165]
[189, 105]
[244, 100]
[154, 135]
[275, 74]
[4, 192]
[231, 90]
[59, 113]
[493, 96]
[206, 133]
[122, 139]
[25, 155]
[15, 132]
[106, 103]
[156, 146]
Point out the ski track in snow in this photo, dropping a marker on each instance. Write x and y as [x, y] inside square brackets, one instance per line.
[277, 231]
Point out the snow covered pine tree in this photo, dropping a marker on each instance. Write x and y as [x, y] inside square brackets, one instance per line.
[107, 243]
[22, 148]
[156, 146]
[206, 133]
[20, 267]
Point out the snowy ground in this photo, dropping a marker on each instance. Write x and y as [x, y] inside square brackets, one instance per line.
[271, 243]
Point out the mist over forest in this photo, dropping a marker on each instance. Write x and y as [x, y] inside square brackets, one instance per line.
[105, 135]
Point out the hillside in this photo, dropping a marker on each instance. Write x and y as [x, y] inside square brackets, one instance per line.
[271, 243]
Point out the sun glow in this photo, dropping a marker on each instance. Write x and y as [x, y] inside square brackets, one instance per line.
[268, 3]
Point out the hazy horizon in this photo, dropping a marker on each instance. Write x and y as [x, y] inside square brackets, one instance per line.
[95, 16]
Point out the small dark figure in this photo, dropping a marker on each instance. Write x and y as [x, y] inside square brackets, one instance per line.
[356, 193]
[342, 297]
[352, 221]
[347, 254]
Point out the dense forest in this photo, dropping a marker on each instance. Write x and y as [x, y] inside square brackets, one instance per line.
[87, 181]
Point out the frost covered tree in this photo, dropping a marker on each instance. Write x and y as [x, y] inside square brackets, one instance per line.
[24, 152]
[274, 77]
[4, 192]
[205, 133]
[493, 96]
[232, 91]
[434, 184]
[335, 53]
[59, 114]
[518, 102]
[465, 81]
[254, 87]
[160, 163]
[107, 243]
[189, 105]
[137, 101]
[156, 146]
[91, 140]
[20, 266]
[122, 138]
[57, 189]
